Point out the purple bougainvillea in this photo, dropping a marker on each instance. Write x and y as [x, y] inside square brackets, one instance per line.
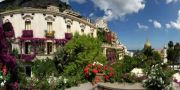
[27, 33]
[68, 36]
[5, 56]
[28, 57]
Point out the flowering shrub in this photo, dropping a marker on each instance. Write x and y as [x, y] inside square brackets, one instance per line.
[91, 70]
[4, 76]
[9, 34]
[157, 79]
[176, 79]
[108, 73]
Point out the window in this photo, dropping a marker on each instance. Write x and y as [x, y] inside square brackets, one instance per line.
[49, 26]
[49, 47]
[28, 24]
[27, 48]
[28, 70]
[92, 34]
[82, 30]
[68, 28]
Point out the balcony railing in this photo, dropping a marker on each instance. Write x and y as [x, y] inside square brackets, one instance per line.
[68, 36]
[27, 57]
[9, 34]
[27, 33]
[49, 34]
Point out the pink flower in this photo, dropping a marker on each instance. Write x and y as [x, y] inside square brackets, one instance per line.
[4, 70]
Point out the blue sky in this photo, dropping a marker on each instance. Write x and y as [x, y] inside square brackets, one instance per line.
[134, 21]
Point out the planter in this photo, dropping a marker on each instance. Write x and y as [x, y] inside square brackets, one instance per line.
[28, 57]
[100, 77]
[9, 34]
[49, 34]
[68, 36]
[27, 33]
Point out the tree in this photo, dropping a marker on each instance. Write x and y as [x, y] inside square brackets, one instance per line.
[173, 52]
[80, 51]
[148, 51]
[60, 59]
[170, 44]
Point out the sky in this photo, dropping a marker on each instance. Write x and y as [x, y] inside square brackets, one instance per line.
[135, 21]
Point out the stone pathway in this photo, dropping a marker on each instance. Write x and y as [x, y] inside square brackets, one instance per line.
[112, 86]
[122, 86]
[85, 86]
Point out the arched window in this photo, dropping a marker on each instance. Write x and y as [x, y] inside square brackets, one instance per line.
[82, 26]
[28, 24]
[68, 28]
[49, 26]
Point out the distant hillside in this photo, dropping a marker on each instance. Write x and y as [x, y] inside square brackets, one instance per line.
[14, 4]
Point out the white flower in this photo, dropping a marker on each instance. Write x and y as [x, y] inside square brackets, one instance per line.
[1, 77]
[138, 72]
[65, 80]
[176, 76]
[97, 63]
[2, 83]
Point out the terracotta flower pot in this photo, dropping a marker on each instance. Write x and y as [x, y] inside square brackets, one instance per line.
[100, 77]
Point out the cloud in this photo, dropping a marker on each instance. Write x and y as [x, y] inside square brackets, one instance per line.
[66, 1]
[77, 1]
[116, 9]
[150, 20]
[174, 24]
[156, 24]
[91, 14]
[171, 1]
[1, 0]
[142, 27]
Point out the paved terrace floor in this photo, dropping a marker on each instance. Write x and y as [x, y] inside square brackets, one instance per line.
[112, 86]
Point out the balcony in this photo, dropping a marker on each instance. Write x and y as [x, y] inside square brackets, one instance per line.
[49, 34]
[108, 37]
[27, 33]
[27, 57]
[9, 34]
[68, 36]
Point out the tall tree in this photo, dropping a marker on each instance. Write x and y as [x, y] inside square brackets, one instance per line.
[170, 44]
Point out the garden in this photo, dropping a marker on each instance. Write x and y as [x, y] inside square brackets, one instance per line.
[81, 60]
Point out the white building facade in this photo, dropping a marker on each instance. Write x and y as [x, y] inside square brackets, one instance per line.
[40, 31]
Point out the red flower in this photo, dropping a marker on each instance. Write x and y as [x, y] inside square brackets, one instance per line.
[4, 70]
[110, 74]
[90, 65]
[105, 67]
[106, 78]
[94, 71]
[110, 69]
[86, 69]
[99, 66]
